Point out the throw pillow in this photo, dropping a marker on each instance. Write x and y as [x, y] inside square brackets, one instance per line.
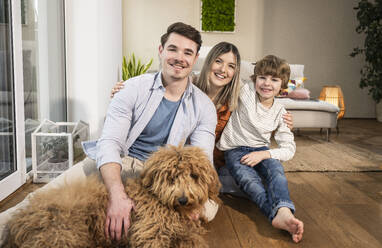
[299, 93]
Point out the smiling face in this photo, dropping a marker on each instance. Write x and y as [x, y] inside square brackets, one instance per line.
[267, 87]
[222, 70]
[177, 57]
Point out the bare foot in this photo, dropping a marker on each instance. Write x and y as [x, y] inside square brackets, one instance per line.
[285, 220]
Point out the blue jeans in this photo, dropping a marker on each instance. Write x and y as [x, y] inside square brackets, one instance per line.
[269, 198]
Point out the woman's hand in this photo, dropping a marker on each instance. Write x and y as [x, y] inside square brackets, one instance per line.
[117, 87]
[288, 119]
[253, 158]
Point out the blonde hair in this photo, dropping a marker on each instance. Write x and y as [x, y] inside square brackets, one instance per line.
[230, 92]
[273, 66]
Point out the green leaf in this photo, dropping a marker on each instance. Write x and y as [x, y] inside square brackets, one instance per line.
[124, 69]
[147, 66]
[132, 68]
[369, 16]
[134, 64]
[137, 72]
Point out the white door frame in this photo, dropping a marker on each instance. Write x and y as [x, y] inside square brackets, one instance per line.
[12, 182]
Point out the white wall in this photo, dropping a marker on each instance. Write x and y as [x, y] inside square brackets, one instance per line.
[94, 55]
[319, 34]
[49, 45]
[145, 21]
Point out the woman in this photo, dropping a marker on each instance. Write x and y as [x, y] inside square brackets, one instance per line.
[220, 80]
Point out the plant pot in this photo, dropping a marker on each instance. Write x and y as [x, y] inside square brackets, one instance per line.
[378, 111]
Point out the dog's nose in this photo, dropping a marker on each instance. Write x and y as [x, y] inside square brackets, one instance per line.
[182, 200]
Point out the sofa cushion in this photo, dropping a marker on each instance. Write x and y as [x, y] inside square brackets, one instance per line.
[318, 105]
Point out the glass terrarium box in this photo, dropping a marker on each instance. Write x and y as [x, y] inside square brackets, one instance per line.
[55, 148]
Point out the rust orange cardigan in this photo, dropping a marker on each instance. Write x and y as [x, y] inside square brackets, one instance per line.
[223, 117]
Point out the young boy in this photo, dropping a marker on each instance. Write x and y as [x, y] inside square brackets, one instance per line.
[246, 140]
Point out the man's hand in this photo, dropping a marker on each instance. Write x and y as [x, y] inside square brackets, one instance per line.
[288, 119]
[253, 158]
[118, 216]
[119, 205]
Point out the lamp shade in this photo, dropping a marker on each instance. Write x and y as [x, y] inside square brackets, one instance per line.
[333, 94]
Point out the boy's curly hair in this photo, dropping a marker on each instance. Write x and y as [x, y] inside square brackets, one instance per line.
[273, 66]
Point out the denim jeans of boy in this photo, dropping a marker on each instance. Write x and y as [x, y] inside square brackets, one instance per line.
[269, 196]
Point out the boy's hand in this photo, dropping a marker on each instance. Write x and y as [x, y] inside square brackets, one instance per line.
[253, 158]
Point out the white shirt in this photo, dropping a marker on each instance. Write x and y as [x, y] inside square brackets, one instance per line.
[251, 125]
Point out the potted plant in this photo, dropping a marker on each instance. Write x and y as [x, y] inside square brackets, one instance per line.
[132, 68]
[369, 16]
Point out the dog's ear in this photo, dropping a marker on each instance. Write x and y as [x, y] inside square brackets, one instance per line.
[214, 185]
[208, 173]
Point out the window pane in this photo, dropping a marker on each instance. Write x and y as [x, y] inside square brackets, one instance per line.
[43, 65]
[7, 142]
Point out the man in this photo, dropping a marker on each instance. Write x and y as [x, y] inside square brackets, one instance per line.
[151, 111]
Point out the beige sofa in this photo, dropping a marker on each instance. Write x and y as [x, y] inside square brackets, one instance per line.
[311, 114]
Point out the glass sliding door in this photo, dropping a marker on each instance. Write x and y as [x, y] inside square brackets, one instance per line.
[43, 65]
[12, 160]
[32, 81]
[7, 159]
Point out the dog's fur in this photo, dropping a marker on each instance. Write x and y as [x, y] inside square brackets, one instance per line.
[74, 216]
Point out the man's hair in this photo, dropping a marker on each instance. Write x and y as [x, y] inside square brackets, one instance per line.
[230, 93]
[273, 66]
[184, 30]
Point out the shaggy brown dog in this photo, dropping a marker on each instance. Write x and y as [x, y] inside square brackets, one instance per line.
[175, 181]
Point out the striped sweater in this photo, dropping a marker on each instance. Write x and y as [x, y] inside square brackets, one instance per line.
[251, 125]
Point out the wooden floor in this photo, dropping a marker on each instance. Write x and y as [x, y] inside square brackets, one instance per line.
[18, 195]
[339, 209]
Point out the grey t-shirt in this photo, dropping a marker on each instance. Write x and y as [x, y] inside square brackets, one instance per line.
[156, 132]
